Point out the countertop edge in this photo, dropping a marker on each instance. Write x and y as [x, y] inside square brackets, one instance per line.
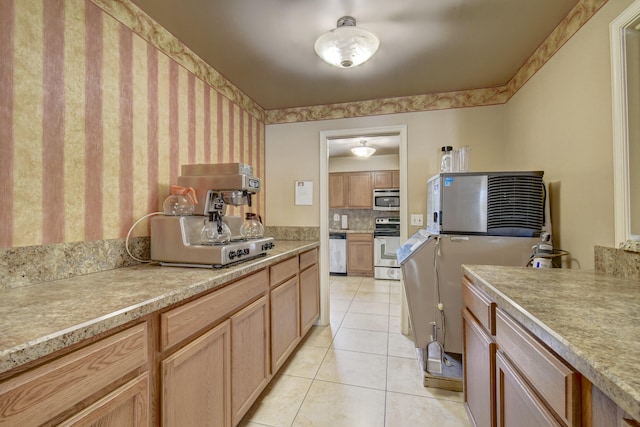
[610, 386]
[31, 350]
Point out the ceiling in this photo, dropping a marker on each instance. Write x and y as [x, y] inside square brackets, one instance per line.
[265, 47]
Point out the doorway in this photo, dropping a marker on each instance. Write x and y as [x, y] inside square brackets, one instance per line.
[326, 138]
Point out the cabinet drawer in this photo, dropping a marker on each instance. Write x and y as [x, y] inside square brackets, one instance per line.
[307, 259]
[282, 271]
[555, 382]
[182, 322]
[480, 305]
[41, 394]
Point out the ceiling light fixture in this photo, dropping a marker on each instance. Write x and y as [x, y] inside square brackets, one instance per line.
[363, 150]
[346, 46]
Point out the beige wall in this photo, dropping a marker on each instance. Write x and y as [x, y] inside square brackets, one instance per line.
[374, 163]
[293, 153]
[559, 122]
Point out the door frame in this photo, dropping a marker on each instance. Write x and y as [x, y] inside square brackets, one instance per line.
[325, 137]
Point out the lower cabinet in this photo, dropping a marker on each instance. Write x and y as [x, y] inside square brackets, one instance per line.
[479, 372]
[360, 254]
[518, 405]
[197, 381]
[127, 406]
[50, 393]
[510, 377]
[249, 356]
[285, 321]
[203, 362]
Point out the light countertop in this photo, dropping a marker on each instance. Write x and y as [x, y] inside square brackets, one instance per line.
[37, 320]
[591, 320]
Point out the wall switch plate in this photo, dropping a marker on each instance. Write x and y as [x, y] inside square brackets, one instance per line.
[336, 217]
[416, 219]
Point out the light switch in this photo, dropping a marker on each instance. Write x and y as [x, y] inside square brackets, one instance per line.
[416, 219]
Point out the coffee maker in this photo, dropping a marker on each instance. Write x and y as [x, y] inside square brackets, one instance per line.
[207, 237]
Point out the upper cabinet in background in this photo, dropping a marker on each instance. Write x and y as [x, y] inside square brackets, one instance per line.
[354, 190]
[386, 179]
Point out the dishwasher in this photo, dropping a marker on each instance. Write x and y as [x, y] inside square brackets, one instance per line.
[338, 254]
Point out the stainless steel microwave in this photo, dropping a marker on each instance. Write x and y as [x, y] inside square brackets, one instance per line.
[386, 199]
[489, 203]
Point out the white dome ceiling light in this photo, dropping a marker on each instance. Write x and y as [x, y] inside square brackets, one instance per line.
[346, 46]
[363, 151]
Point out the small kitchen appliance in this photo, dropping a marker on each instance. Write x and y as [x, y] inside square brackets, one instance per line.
[386, 199]
[207, 238]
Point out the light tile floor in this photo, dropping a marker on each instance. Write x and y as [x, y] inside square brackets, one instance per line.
[358, 371]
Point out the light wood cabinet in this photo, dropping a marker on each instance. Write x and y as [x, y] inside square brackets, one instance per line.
[338, 190]
[285, 321]
[351, 190]
[249, 356]
[203, 362]
[360, 254]
[128, 406]
[50, 391]
[309, 290]
[386, 179]
[197, 381]
[360, 190]
[479, 372]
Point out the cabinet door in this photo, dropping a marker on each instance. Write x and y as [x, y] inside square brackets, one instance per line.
[517, 405]
[386, 179]
[309, 298]
[285, 321]
[337, 190]
[249, 356]
[360, 254]
[479, 372]
[128, 406]
[360, 190]
[196, 381]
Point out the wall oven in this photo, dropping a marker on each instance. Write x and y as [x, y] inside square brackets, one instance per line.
[386, 200]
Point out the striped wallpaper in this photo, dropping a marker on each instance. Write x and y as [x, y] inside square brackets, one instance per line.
[95, 123]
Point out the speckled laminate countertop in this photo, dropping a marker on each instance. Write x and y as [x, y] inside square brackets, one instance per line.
[40, 319]
[591, 320]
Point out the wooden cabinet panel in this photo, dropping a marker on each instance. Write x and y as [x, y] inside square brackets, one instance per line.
[249, 356]
[188, 319]
[386, 179]
[285, 321]
[309, 297]
[518, 405]
[338, 190]
[360, 193]
[196, 381]
[307, 259]
[128, 406]
[282, 271]
[556, 382]
[480, 305]
[479, 372]
[41, 394]
[360, 254]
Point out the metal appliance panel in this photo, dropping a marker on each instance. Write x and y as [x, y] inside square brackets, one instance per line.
[384, 251]
[338, 253]
[418, 258]
[464, 203]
